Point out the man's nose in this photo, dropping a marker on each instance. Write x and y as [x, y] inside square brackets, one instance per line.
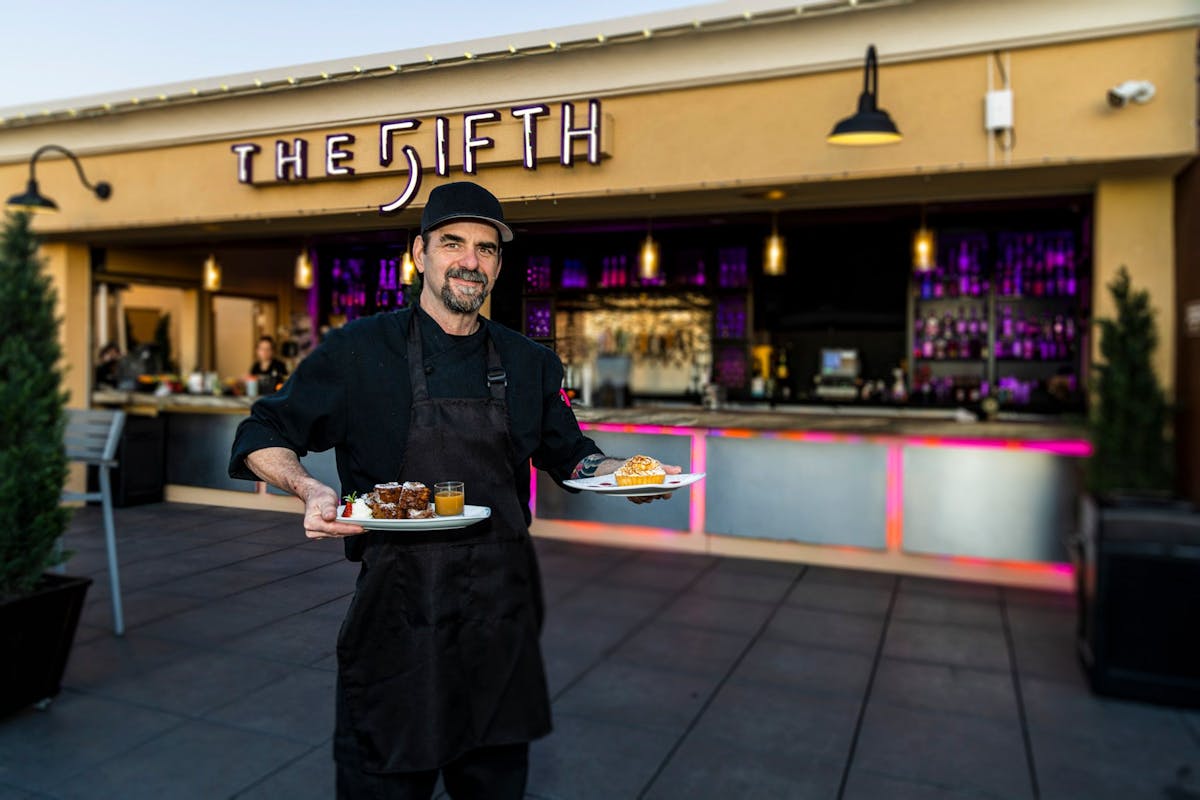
[470, 258]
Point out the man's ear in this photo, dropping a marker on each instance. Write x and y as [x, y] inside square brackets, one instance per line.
[418, 253]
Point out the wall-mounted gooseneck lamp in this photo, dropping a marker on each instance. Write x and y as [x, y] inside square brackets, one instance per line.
[871, 124]
[33, 201]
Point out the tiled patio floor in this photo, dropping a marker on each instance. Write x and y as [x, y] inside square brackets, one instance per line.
[673, 676]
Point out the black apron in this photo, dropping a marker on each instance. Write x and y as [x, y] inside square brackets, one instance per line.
[439, 651]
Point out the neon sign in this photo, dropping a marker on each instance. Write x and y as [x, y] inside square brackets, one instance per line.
[291, 158]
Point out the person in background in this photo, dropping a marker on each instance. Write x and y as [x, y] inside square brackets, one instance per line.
[109, 366]
[439, 664]
[270, 371]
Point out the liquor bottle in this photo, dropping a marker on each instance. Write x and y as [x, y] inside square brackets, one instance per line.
[964, 270]
[1006, 272]
[1069, 259]
[782, 385]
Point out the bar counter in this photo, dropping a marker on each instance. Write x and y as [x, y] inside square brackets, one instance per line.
[905, 490]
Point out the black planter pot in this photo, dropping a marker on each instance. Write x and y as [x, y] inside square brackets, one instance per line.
[36, 631]
[1138, 581]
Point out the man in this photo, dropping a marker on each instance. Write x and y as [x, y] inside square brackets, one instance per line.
[439, 666]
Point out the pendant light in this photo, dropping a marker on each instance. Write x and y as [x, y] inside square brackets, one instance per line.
[924, 247]
[648, 258]
[408, 269]
[304, 270]
[870, 124]
[212, 274]
[774, 251]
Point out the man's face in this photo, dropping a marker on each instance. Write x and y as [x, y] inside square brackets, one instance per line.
[461, 263]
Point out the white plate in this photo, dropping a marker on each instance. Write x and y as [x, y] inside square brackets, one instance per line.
[470, 515]
[607, 484]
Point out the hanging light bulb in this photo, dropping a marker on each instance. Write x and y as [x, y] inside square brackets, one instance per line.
[923, 250]
[212, 274]
[924, 247]
[648, 260]
[408, 269]
[304, 270]
[774, 252]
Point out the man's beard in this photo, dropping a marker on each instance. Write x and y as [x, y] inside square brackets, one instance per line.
[472, 302]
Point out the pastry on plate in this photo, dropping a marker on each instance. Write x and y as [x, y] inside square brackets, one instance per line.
[640, 470]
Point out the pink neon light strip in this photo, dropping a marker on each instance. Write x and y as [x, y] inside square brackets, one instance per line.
[1077, 448]
[696, 508]
[894, 534]
[532, 489]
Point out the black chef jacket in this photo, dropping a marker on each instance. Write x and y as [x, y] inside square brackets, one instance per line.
[353, 393]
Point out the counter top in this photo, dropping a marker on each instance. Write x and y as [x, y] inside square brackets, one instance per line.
[150, 403]
[845, 421]
[850, 421]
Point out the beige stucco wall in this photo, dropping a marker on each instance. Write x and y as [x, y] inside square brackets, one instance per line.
[729, 136]
[1135, 228]
[750, 134]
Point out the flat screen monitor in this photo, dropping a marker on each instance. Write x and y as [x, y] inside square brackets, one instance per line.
[838, 363]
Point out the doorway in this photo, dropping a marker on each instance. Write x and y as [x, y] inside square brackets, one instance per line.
[238, 322]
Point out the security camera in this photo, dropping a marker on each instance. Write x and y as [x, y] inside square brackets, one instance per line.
[1137, 91]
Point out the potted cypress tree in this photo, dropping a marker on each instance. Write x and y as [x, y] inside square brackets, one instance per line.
[39, 611]
[1138, 570]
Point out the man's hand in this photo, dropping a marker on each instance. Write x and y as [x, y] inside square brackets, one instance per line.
[320, 514]
[670, 469]
[281, 467]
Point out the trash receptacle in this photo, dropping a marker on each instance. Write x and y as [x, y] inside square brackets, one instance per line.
[1138, 583]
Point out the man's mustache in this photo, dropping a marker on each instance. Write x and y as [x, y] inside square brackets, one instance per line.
[466, 275]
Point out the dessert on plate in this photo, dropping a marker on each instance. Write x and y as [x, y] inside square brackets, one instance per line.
[640, 470]
[393, 500]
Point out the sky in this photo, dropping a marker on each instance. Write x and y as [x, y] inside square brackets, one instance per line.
[88, 47]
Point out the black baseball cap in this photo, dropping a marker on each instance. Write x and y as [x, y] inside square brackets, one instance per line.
[464, 200]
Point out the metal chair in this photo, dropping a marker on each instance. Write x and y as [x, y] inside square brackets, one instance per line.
[92, 438]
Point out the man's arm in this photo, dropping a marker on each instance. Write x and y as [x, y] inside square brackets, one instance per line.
[600, 464]
[596, 464]
[281, 467]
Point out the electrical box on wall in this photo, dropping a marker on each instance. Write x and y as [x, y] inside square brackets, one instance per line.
[998, 110]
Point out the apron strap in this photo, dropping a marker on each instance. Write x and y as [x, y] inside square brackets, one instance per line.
[497, 378]
[416, 360]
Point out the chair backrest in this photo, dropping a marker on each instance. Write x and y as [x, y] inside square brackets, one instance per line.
[93, 435]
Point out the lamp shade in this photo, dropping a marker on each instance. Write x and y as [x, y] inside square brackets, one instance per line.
[870, 124]
[31, 200]
[774, 255]
[408, 269]
[648, 259]
[924, 249]
[304, 270]
[212, 274]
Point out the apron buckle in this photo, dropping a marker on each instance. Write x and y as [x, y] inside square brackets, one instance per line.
[497, 375]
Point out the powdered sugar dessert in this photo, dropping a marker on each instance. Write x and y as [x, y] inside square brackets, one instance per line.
[394, 500]
[640, 470]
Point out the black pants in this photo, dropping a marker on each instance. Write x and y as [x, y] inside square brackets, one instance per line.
[489, 773]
